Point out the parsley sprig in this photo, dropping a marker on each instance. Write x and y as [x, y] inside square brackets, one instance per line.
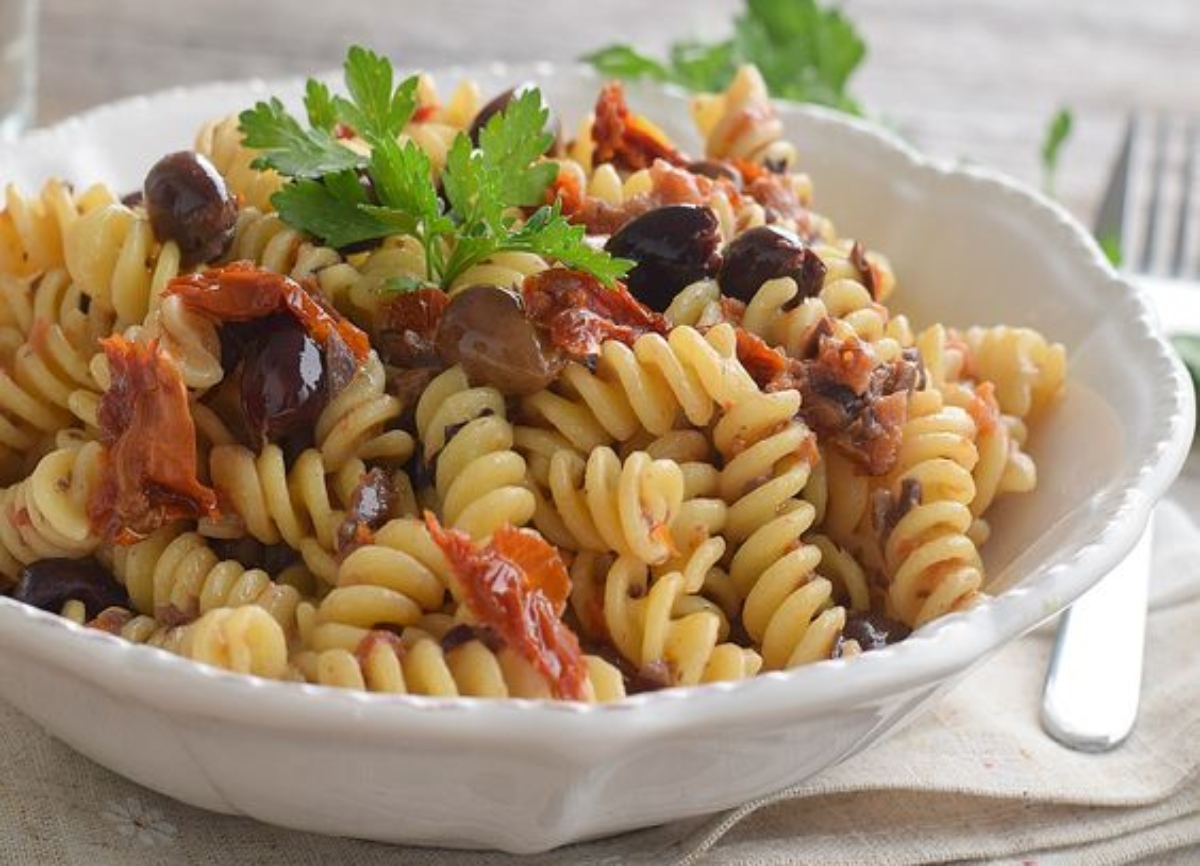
[804, 51]
[346, 196]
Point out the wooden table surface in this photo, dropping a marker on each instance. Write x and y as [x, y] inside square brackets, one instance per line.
[975, 81]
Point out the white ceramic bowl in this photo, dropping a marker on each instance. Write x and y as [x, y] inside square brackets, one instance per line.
[969, 247]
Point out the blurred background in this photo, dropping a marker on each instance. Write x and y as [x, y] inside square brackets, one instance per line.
[978, 81]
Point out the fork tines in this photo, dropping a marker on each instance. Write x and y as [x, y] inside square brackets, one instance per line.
[1162, 217]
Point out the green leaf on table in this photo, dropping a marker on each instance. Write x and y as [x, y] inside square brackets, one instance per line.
[1110, 245]
[1057, 133]
[1188, 347]
[622, 61]
[697, 66]
[805, 51]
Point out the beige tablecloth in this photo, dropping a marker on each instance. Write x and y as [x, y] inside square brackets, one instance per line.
[974, 779]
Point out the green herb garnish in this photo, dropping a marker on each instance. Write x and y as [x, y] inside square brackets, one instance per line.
[804, 51]
[1057, 133]
[1110, 245]
[345, 198]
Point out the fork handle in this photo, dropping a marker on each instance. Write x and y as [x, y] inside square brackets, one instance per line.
[1093, 684]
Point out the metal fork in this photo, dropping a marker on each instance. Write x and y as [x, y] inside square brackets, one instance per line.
[1152, 211]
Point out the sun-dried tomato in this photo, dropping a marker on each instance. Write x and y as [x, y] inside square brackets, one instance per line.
[149, 477]
[566, 191]
[763, 363]
[669, 184]
[628, 140]
[579, 312]
[517, 585]
[242, 292]
[409, 325]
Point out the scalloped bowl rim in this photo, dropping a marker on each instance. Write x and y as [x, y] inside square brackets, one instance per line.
[944, 648]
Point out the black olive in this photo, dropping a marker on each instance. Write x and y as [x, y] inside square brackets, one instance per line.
[673, 246]
[873, 631]
[188, 202]
[485, 329]
[499, 104]
[284, 385]
[717, 169]
[251, 553]
[49, 584]
[766, 253]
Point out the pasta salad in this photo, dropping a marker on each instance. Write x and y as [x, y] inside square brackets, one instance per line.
[418, 393]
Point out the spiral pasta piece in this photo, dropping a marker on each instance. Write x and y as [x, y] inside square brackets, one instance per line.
[45, 515]
[243, 640]
[661, 626]
[37, 389]
[1027, 370]
[267, 241]
[176, 577]
[844, 301]
[479, 478]
[788, 608]
[391, 582]
[645, 388]
[937, 450]
[275, 505]
[419, 663]
[627, 506]
[1003, 466]
[221, 142]
[507, 270]
[742, 123]
[111, 253]
[769, 456]
[355, 423]
[33, 228]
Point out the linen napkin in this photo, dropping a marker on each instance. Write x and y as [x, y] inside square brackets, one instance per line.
[974, 779]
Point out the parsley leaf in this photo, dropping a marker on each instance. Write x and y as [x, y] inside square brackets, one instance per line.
[623, 61]
[1057, 133]
[308, 202]
[375, 110]
[510, 145]
[548, 235]
[346, 197]
[318, 102]
[804, 52]
[1110, 245]
[289, 148]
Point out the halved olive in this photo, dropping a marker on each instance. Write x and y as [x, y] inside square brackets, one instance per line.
[49, 584]
[767, 253]
[188, 202]
[485, 329]
[284, 385]
[674, 246]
